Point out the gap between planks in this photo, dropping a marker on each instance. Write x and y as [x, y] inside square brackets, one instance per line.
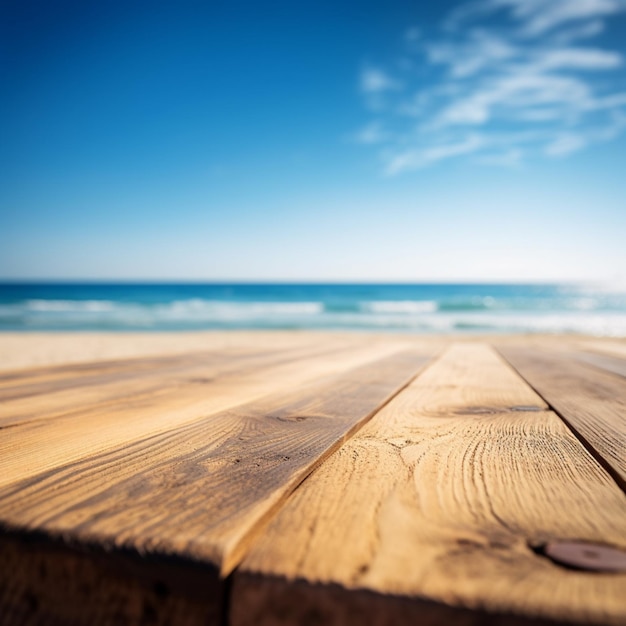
[590, 400]
[88, 425]
[431, 510]
[198, 492]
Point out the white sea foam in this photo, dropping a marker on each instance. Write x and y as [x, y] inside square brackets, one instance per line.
[195, 308]
[400, 306]
[592, 323]
[221, 310]
[583, 304]
[70, 305]
[580, 314]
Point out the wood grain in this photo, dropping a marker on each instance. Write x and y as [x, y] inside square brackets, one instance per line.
[45, 393]
[604, 362]
[615, 348]
[100, 374]
[592, 402]
[72, 427]
[200, 490]
[430, 512]
[25, 351]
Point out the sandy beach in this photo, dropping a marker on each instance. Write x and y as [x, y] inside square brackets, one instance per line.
[26, 350]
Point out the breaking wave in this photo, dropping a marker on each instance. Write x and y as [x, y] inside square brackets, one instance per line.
[423, 309]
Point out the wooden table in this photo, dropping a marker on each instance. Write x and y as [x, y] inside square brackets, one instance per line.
[304, 479]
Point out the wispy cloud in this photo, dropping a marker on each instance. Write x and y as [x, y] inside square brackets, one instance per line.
[536, 17]
[373, 133]
[419, 157]
[503, 80]
[375, 80]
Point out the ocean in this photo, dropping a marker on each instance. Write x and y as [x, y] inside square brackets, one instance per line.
[415, 308]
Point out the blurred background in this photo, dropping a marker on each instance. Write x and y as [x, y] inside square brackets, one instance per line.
[426, 167]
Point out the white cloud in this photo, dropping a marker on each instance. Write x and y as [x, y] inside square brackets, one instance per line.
[374, 80]
[579, 58]
[582, 31]
[541, 16]
[416, 158]
[371, 134]
[565, 144]
[516, 71]
[537, 17]
[614, 102]
[511, 94]
[479, 52]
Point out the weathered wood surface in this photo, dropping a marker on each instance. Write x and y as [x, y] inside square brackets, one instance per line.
[41, 393]
[440, 499]
[198, 490]
[617, 349]
[604, 362]
[591, 401]
[20, 351]
[131, 489]
[70, 424]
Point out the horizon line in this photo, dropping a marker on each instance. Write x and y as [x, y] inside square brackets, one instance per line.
[306, 281]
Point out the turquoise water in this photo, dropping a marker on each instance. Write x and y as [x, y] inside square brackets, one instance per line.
[427, 308]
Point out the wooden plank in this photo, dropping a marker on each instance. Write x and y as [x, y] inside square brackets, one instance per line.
[55, 395]
[592, 402]
[237, 463]
[49, 583]
[430, 514]
[614, 348]
[199, 492]
[52, 380]
[80, 429]
[11, 379]
[26, 351]
[604, 362]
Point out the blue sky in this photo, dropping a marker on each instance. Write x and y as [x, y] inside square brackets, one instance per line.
[387, 141]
